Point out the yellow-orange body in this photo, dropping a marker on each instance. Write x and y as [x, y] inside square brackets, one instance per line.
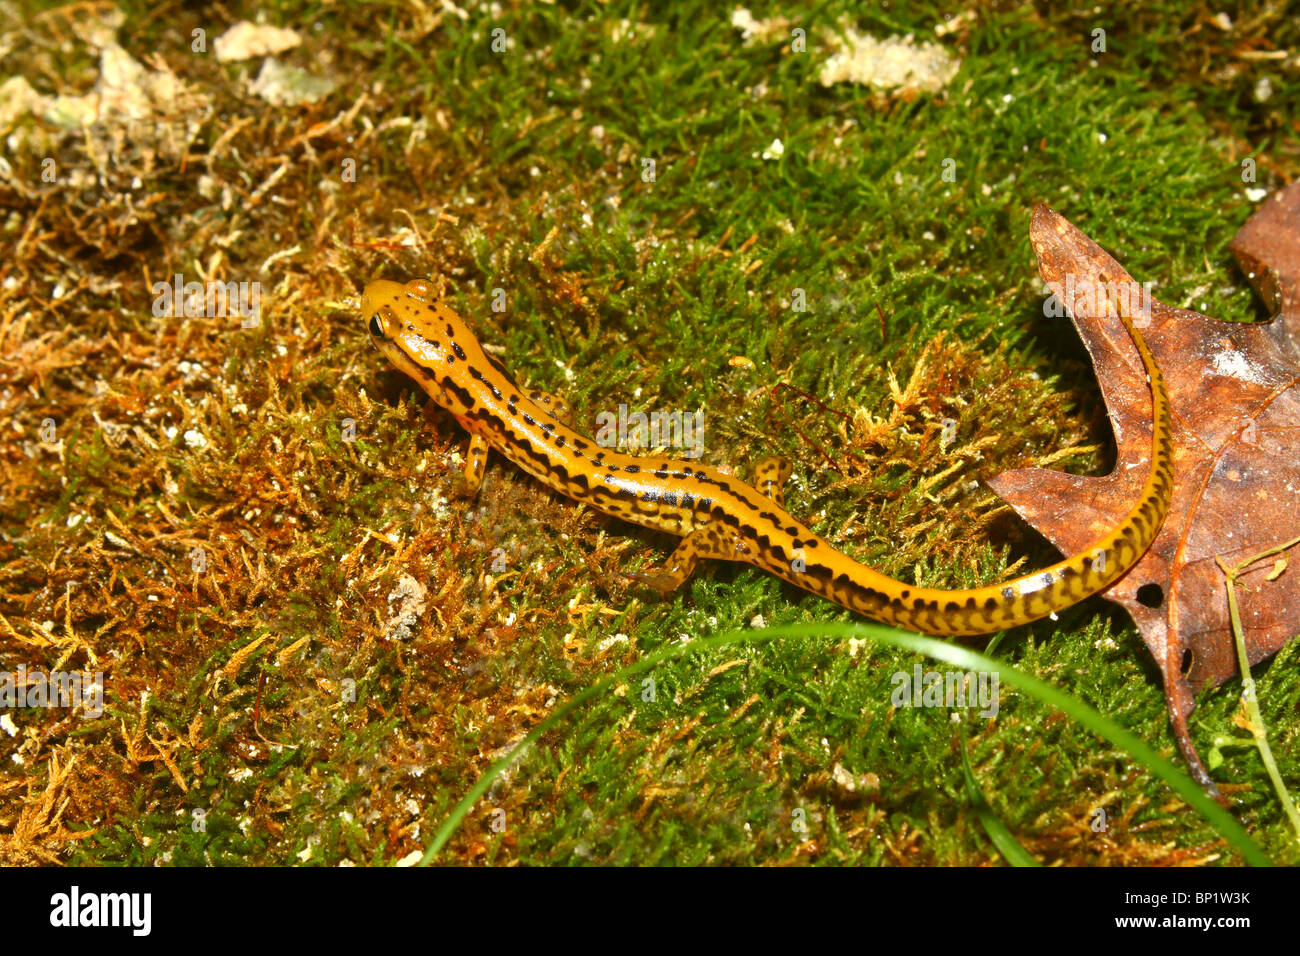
[717, 515]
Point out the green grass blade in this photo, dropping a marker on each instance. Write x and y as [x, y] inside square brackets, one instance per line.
[960, 657]
[1002, 838]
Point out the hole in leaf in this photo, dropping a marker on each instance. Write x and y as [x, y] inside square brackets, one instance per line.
[1151, 595]
[1186, 666]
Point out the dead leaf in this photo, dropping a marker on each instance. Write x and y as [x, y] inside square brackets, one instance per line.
[1236, 413]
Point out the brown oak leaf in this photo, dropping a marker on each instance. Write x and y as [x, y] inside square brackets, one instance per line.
[1236, 411]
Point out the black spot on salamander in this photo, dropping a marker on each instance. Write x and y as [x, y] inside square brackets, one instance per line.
[660, 473]
[510, 405]
[580, 443]
[559, 441]
[669, 498]
[501, 369]
[991, 604]
[548, 427]
[459, 392]
[537, 456]
[688, 499]
[460, 352]
[632, 469]
[844, 583]
[478, 377]
[529, 420]
[1009, 593]
[517, 444]
[479, 415]
[650, 494]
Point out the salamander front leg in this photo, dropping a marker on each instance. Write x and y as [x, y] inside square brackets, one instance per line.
[769, 478]
[471, 477]
[476, 455]
[701, 543]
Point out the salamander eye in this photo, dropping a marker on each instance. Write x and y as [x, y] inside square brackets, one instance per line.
[376, 327]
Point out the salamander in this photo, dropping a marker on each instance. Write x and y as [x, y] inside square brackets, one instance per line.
[716, 515]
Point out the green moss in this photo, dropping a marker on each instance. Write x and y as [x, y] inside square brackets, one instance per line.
[617, 289]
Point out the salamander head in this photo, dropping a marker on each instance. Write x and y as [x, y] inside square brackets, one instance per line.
[418, 333]
[408, 318]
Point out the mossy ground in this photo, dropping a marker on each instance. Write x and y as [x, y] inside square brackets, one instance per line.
[335, 739]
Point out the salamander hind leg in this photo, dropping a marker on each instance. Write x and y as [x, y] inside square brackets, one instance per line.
[769, 478]
[706, 542]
